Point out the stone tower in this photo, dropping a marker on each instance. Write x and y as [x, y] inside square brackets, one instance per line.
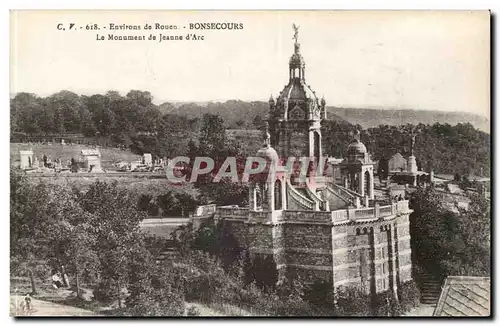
[357, 169]
[295, 116]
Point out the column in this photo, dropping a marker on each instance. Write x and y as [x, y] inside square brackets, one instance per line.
[373, 271]
[392, 261]
[361, 183]
[311, 141]
[372, 190]
[283, 194]
[252, 200]
[270, 195]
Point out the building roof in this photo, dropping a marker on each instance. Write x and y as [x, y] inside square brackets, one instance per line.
[463, 296]
[397, 156]
[356, 147]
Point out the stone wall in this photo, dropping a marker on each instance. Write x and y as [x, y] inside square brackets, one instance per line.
[374, 256]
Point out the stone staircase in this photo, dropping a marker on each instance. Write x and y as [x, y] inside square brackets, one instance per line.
[430, 289]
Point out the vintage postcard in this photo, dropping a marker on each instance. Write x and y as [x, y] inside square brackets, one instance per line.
[250, 163]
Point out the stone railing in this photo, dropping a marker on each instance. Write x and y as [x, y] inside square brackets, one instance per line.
[312, 216]
[364, 212]
[297, 197]
[386, 210]
[233, 212]
[261, 215]
[320, 203]
[205, 210]
[339, 216]
[340, 192]
[376, 212]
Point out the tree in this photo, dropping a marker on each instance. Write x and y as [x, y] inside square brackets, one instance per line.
[115, 223]
[31, 219]
[258, 122]
[212, 135]
[446, 242]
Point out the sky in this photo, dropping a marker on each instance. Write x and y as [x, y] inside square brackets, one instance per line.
[428, 60]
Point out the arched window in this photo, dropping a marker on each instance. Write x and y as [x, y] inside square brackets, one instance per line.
[278, 203]
[258, 197]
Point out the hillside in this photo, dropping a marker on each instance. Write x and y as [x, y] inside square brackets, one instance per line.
[232, 111]
[369, 118]
[235, 110]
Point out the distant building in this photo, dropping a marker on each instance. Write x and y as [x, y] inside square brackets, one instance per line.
[91, 159]
[397, 163]
[147, 159]
[26, 159]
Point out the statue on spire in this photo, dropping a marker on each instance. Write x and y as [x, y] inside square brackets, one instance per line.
[412, 147]
[296, 33]
[266, 135]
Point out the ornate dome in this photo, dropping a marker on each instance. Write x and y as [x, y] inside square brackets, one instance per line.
[298, 90]
[267, 151]
[356, 151]
[356, 148]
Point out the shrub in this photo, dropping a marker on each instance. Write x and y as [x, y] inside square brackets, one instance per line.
[385, 304]
[351, 301]
[409, 295]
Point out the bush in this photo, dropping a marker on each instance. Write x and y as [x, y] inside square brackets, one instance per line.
[409, 295]
[385, 304]
[192, 311]
[105, 292]
[351, 301]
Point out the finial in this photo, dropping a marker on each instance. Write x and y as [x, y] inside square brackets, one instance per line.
[296, 38]
[357, 134]
[296, 33]
[271, 99]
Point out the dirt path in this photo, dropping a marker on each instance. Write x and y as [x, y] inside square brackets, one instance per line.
[421, 311]
[45, 308]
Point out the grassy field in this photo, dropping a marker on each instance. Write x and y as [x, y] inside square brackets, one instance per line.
[66, 152]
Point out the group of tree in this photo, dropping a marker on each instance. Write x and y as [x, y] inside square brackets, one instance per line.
[446, 149]
[214, 143]
[445, 242]
[94, 236]
[131, 121]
